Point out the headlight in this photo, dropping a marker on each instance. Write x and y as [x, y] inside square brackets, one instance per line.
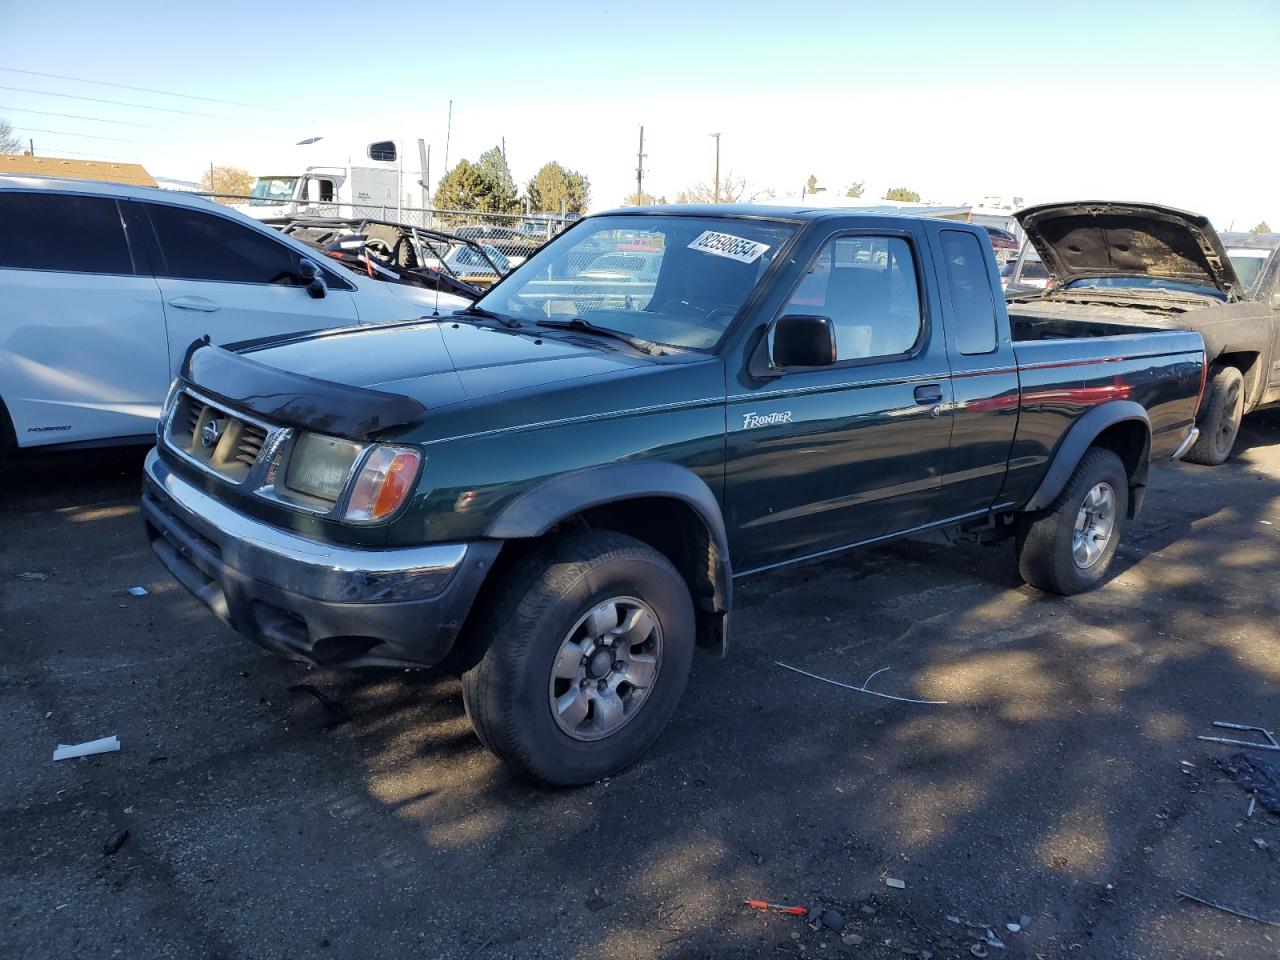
[319, 465]
[385, 480]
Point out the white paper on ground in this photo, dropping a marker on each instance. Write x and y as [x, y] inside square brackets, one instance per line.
[67, 751]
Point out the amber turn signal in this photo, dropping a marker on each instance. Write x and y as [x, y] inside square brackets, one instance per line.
[383, 484]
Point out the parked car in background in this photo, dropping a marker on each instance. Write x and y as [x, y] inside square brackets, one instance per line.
[480, 265]
[1024, 273]
[103, 287]
[554, 491]
[1003, 243]
[1148, 265]
[516, 245]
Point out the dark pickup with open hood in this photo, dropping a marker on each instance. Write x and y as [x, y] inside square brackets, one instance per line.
[1100, 239]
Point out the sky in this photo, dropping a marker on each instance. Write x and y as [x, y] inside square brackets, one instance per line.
[1166, 101]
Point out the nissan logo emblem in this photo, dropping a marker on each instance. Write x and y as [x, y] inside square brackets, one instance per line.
[210, 433]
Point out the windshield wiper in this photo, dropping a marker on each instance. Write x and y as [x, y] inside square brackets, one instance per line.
[586, 326]
[475, 311]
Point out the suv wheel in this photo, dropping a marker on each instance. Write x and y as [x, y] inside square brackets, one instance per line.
[590, 649]
[1220, 422]
[1068, 548]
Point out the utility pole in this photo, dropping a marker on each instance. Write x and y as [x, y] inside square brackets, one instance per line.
[32, 144]
[213, 184]
[448, 130]
[640, 170]
[717, 136]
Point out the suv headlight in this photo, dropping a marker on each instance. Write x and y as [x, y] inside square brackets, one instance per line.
[383, 484]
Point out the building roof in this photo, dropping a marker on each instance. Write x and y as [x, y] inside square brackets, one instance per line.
[101, 170]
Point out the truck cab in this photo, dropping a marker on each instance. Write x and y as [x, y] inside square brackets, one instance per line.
[368, 179]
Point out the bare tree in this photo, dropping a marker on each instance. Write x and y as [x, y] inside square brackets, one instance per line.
[733, 189]
[10, 142]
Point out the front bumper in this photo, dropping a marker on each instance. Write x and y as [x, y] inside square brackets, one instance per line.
[308, 601]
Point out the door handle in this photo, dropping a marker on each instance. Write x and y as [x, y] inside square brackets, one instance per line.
[928, 393]
[202, 304]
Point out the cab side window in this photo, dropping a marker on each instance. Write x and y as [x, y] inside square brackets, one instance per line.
[971, 299]
[201, 246]
[867, 287]
[62, 231]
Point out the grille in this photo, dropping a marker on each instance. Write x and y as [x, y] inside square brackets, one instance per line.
[218, 439]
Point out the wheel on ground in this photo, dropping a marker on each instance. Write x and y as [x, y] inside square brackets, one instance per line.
[1068, 548]
[590, 647]
[1219, 419]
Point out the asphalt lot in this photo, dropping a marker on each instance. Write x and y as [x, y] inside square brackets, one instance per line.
[1062, 781]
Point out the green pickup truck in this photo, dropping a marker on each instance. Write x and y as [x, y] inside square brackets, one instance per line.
[553, 492]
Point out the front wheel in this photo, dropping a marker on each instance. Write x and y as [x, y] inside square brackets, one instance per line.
[1220, 421]
[1068, 548]
[590, 649]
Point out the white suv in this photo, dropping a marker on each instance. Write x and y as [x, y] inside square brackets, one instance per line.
[103, 287]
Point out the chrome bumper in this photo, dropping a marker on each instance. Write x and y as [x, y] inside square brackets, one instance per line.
[313, 602]
[285, 560]
[1185, 445]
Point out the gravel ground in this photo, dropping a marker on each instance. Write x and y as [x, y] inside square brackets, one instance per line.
[1062, 781]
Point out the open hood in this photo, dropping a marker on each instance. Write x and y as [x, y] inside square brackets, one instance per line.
[1099, 239]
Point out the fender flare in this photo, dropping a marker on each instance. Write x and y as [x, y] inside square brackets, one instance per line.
[537, 510]
[1079, 438]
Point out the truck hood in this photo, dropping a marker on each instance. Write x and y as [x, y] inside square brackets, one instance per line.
[1100, 239]
[440, 362]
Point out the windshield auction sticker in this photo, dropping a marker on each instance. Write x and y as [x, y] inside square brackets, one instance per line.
[727, 245]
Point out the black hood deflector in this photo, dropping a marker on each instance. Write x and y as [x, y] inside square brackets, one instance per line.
[295, 400]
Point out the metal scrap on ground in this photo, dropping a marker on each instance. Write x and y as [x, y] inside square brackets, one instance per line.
[67, 751]
[863, 688]
[1271, 743]
[1226, 909]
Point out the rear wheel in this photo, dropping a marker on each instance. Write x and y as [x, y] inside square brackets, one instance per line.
[1220, 420]
[1068, 548]
[590, 649]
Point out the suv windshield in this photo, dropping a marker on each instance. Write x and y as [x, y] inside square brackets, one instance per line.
[269, 189]
[684, 279]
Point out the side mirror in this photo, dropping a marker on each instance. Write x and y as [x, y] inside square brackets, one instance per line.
[800, 340]
[309, 275]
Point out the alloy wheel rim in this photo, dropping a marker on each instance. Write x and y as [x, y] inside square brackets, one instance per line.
[605, 668]
[1095, 523]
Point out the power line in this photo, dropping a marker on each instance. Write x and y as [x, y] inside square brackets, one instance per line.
[118, 103]
[125, 86]
[89, 136]
[80, 116]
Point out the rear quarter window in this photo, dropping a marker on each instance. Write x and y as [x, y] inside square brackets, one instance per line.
[62, 231]
[973, 304]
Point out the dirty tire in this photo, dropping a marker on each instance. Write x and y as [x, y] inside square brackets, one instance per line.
[401, 250]
[506, 694]
[1219, 419]
[1045, 542]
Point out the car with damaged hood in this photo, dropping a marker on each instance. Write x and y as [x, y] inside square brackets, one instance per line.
[1152, 266]
[553, 492]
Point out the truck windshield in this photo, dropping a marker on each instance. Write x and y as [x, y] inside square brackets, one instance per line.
[1248, 263]
[674, 280]
[268, 190]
